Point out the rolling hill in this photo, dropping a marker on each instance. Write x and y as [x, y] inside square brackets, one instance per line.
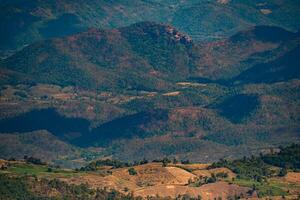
[148, 90]
[225, 59]
[283, 68]
[142, 56]
[272, 175]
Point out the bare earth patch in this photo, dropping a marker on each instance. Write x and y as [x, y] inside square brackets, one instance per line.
[208, 173]
[209, 191]
[154, 174]
[293, 177]
[180, 175]
[171, 94]
[153, 179]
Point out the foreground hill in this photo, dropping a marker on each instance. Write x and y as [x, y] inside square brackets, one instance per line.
[268, 176]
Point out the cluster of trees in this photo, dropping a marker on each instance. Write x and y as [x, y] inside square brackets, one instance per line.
[187, 197]
[113, 163]
[258, 168]
[13, 187]
[107, 162]
[199, 181]
[253, 168]
[30, 159]
[93, 166]
[287, 157]
[165, 161]
[33, 160]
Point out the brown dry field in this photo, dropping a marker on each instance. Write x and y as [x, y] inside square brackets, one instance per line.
[208, 173]
[192, 167]
[208, 191]
[293, 177]
[152, 179]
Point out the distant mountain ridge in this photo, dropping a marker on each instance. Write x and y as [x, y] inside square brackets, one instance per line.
[264, 33]
[227, 58]
[145, 56]
[283, 68]
[26, 22]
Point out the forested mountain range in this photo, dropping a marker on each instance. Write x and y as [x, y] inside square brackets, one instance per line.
[148, 90]
[25, 22]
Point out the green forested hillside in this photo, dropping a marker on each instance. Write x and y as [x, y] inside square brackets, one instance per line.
[139, 57]
[28, 21]
[139, 86]
[149, 56]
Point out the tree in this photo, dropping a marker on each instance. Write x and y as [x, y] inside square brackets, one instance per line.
[33, 160]
[185, 161]
[144, 161]
[132, 171]
[222, 175]
[175, 161]
[126, 189]
[282, 172]
[211, 179]
[165, 162]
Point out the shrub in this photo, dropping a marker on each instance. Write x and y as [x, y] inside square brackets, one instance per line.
[132, 171]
